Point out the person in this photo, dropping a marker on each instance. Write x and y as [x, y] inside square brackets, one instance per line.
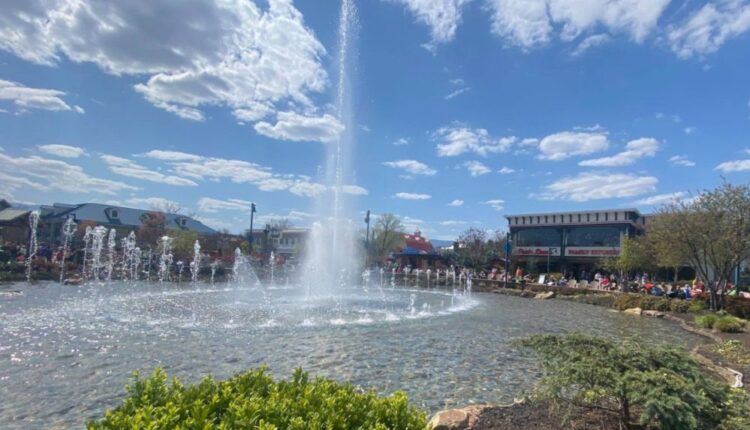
[598, 277]
[519, 272]
[647, 286]
[605, 283]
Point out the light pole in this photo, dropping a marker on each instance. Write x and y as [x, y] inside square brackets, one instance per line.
[252, 213]
[508, 249]
[367, 239]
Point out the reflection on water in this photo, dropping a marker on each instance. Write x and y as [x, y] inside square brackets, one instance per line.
[66, 352]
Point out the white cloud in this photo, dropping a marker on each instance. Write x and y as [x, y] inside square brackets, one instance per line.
[211, 205]
[531, 23]
[400, 142]
[412, 196]
[171, 155]
[459, 140]
[125, 167]
[296, 127]
[187, 55]
[450, 223]
[708, 28]
[355, 190]
[456, 93]
[496, 204]
[65, 151]
[681, 160]
[157, 203]
[591, 186]
[442, 16]
[456, 203]
[590, 43]
[476, 168]
[412, 166]
[661, 199]
[506, 170]
[734, 166]
[56, 175]
[689, 130]
[634, 150]
[27, 98]
[566, 144]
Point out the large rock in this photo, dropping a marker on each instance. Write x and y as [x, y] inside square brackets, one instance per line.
[633, 311]
[547, 295]
[451, 419]
[655, 314]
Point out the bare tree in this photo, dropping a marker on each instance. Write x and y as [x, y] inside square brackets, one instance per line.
[387, 235]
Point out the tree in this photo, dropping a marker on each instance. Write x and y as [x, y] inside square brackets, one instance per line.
[472, 247]
[183, 243]
[388, 235]
[668, 254]
[153, 227]
[636, 254]
[713, 230]
[644, 386]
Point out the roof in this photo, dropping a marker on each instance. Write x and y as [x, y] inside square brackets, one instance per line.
[576, 212]
[12, 214]
[417, 242]
[126, 217]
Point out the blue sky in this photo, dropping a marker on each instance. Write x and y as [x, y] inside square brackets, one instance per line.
[465, 110]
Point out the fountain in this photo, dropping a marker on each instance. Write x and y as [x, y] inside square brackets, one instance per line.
[214, 265]
[97, 245]
[180, 265]
[33, 225]
[195, 266]
[165, 261]
[111, 242]
[68, 229]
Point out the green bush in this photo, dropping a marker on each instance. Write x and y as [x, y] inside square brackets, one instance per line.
[679, 306]
[729, 324]
[653, 303]
[645, 386]
[253, 400]
[698, 305]
[738, 307]
[706, 321]
[627, 301]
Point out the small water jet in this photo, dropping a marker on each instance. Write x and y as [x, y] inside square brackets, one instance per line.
[195, 266]
[68, 229]
[33, 245]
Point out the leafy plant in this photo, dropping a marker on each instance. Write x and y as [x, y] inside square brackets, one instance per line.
[642, 385]
[253, 400]
[733, 351]
[706, 321]
[729, 324]
[679, 306]
[698, 306]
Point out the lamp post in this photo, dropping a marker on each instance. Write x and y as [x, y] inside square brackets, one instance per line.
[367, 239]
[508, 250]
[252, 213]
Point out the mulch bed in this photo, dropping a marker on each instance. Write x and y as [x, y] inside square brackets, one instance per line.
[541, 416]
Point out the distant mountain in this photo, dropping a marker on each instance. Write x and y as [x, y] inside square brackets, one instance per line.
[437, 243]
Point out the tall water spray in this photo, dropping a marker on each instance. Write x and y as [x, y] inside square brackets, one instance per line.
[33, 245]
[165, 261]
[111, 245]
[68, 229]
[195, 266]
[332, 251]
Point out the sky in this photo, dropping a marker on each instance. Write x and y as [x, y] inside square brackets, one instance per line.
[464, 111]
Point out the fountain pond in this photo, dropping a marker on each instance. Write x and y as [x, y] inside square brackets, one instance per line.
[66, 352]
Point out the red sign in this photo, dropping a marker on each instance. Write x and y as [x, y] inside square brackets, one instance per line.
[541, 251]
[592, 251]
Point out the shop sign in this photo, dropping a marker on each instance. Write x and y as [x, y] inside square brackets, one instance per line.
[591, 251]
[539, 251]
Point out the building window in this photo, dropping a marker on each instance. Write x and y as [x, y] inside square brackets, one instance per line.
[579, 217]
[538, 220]
[606, 216]
[114, 213]
[588, 217]
[546, 220]
[544, 237]
[598, 236]
[616, 215]
[597, 217]
[523, 220]
[570, 219]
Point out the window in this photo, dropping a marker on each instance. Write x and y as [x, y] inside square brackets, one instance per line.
[114, 213]
[588, 217]
[616, 215]
[523, 220]
[606, 216]
[604, 236]
[570, 218]
[554, 219]
[579, 217]
[538, 220]
[538, 237]
[546, 220]
[597, 217]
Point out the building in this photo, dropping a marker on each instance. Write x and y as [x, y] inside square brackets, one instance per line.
[122, 219]
[14, 224]
[417, 252]
[285, 242]
[571, 241]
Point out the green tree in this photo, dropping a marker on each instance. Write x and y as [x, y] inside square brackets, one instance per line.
[636, 254]
[713, 230]
[183, 242]
[153, 227]
[388, 235]
[644, 386]
[472, 247]
[669, 254]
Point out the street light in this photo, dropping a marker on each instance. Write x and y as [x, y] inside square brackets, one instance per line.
[252, 212]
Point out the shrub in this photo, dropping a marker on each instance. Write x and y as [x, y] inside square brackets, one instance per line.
[643, 385]
[706, 321]
[254, 400]
[627, 301]
[679, 306]
[738, 307]
[698, 305]
[728, 324]
[733, 351]
[653, 303]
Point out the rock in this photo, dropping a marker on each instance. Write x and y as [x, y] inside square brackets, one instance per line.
[547, 295]
[451, 419]
[655, 314]
[633, 311]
